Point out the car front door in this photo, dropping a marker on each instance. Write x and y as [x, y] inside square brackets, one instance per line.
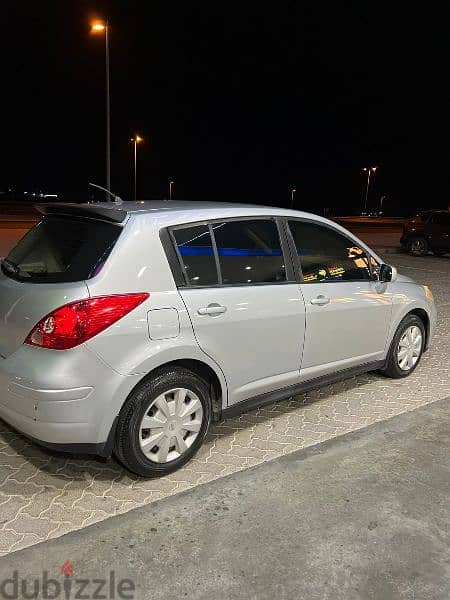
[247, 311]
[348, 313]
[439, 231]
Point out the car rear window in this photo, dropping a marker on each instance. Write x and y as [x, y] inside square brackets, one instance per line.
[249, 252]
[61, 249]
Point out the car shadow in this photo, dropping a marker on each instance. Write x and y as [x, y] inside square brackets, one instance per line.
[25, 462]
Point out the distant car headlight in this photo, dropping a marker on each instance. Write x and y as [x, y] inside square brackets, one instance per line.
[428, 293]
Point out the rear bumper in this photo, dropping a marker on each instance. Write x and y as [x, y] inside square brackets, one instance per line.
[103, 449]
[42, 396]
[53, 423]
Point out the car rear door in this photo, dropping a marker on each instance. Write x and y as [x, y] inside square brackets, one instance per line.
[246, 309]
[347, 313]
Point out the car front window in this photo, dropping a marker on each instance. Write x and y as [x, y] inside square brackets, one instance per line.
[327, 255]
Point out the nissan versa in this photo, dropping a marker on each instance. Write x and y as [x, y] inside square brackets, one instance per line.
[128, 328]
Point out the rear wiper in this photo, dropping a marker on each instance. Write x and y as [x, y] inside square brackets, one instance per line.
[13, 268]
[10, 266]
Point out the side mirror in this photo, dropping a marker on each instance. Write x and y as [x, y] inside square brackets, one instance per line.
[387, 273]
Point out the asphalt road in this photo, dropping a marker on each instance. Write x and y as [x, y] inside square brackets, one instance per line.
[362, 516]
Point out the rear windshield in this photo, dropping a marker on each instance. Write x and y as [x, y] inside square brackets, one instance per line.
[61, 249]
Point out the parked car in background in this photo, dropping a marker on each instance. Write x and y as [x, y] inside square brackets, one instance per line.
[427, 231]
[128, 328]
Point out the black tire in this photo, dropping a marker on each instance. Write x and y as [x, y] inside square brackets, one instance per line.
[438, 252]
[418, 246]
[127, 446]
[392, 368]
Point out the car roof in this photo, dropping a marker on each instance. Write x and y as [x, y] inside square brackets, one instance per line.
[170, 211]
[167, 213]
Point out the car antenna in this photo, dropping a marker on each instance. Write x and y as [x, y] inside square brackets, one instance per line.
[117, 199]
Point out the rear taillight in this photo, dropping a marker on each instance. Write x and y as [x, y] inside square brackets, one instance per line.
[77, 322]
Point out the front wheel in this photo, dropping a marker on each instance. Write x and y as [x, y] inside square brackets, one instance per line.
[163, 423]
[406, 348]
[418, 246]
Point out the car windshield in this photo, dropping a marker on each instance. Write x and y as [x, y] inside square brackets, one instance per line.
[61, 249]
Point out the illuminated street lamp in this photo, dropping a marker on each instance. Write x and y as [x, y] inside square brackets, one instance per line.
[136, 140]
[369, 171]
[170, 189]
[293, 190]
[96, 28]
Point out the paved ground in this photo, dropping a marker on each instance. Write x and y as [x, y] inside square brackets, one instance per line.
[44, 495]
[361, 517]
[376, 232]
[8, 238]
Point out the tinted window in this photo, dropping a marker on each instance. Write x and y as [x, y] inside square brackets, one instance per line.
[441, 219]
[196, 252]
[326, 255]
[62, 249]
[249, 252]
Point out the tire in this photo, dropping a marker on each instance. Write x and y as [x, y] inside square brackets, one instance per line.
[393, 368]
[165, 388]
[439, 252]
[418, 246]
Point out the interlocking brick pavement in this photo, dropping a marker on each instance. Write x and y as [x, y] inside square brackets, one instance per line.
[44, 495]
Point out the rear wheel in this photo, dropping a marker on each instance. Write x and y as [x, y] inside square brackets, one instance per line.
[418, 246]
[163, 423]
[406, 348]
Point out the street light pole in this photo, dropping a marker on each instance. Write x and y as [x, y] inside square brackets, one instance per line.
[98, 27]
[108, 111]
[135, 140]
[135, 169]
[367, 188]
[369, 171]
[293, 190]
[170, 189]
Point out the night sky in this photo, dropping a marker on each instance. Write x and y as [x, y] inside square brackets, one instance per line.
[236, 101]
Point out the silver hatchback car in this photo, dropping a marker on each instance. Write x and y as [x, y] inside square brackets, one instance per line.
[128, 328]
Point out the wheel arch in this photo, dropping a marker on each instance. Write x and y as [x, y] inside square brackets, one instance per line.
[423, 316]
[202, 369]
[207, 373]
[400, 312]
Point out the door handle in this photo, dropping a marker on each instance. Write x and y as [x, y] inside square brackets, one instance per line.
[212, 309]
[320, 300]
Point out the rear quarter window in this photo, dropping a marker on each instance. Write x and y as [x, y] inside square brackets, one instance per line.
[62, 249]
[195, 250]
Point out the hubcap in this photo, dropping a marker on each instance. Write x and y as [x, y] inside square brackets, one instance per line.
[418, 247]
[409, 348]
[170, 425]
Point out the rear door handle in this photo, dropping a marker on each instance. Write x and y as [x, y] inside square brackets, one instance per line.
[212, 309]
[320, 300]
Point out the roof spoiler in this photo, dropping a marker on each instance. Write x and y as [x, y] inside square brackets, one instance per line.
[112, 213]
